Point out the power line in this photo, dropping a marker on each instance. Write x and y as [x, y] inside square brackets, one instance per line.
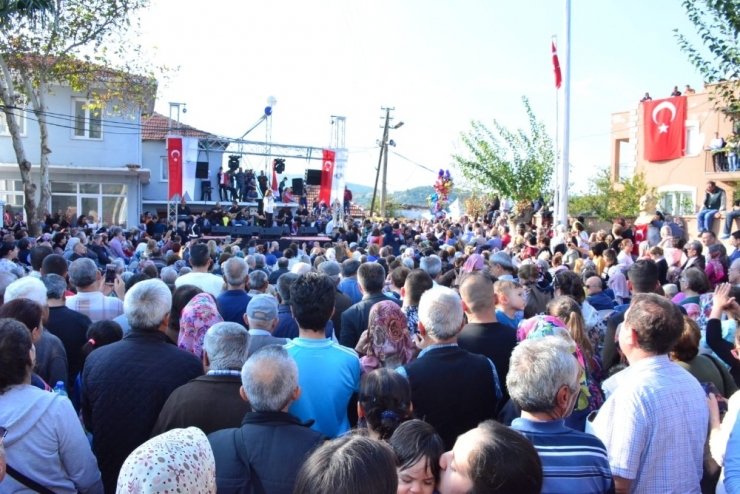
[414, 162]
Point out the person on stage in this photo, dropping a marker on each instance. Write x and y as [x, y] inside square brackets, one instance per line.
[268, 207]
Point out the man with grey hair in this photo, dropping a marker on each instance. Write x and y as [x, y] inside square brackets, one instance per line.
[234, 300]
[259, 263]
[453, 389]
[341, 302]
[51, 359]
[6, 278]
[67, 325]
[544, 383]
[126, 384]
[169, 275]
[371, 278]
[502, 267]
[250, 262]
[262, 319]
[258, 283]
[734, 272]
[271, 445]
[431, 265]
[90, 300]
[211, 402]
[282, 268]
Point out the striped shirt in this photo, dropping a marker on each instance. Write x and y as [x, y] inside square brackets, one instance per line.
[654, 425]
[95, 305]
[572, 461]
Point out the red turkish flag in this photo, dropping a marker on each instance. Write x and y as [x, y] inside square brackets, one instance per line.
[327, 175]
[556, 67]
[174, 162]
[639, 235]
[665, 128]
[275, 188]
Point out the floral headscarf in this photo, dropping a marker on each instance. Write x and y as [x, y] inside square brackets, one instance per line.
[473, 263]
[180, 460]
[200, 314]
[543, 326]
[389, 343]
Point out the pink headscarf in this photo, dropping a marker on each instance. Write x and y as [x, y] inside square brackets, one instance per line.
[474, 263]
[200, 314]
[389, 342]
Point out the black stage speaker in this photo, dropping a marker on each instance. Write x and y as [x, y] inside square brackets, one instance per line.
[220, 229]
[307, 231]
[271, 233]
[298, 186]
[313, 177]
[246, 231]
[201, 169]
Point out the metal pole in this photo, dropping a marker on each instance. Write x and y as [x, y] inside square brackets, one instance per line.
[556, 185]
[383, 191]
[380, 159]
[566, 120]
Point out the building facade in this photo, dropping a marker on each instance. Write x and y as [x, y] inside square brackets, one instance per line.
[680, 182]
[95, 161]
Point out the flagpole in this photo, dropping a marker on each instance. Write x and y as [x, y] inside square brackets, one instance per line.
[564, 164]
[556, 184]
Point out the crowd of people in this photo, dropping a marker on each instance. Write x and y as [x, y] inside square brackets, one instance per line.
[450, 356]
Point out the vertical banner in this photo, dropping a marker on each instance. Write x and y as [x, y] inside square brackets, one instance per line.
[189, 166]
[327, 176]
[339, 180]
[174, 166]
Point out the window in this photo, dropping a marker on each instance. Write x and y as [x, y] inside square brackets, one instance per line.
[88, 122]
[20, 115]
[164, 169]
[677, 200]
[626, 171]
[99, 202]
[694, 140]
[11, 191]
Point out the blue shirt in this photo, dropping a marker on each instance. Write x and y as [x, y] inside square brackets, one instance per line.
[351, 288]
[233, 305]
[572, 461]
[328, 374]
[504, 319]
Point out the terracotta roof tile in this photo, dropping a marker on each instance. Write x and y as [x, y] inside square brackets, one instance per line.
[157, 126]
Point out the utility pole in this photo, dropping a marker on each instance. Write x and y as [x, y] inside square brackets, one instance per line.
[381, 162]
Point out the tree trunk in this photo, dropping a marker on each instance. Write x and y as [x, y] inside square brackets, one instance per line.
[45, 195]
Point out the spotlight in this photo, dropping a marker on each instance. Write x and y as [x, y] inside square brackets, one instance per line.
[234, 161]
[279, 165]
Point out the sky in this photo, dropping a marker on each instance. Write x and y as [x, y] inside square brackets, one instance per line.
[439, 63]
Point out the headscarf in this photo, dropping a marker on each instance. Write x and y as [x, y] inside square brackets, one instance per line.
[389, 343]
[473, 263]
[200, 314]
[541, 326]
[180, 460]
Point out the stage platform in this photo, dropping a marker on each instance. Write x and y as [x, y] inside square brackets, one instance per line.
[284, 242]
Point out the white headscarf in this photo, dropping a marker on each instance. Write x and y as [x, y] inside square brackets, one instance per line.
[180, 460]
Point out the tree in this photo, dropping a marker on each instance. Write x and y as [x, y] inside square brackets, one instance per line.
[515, 164]
[717, 23]
[41, 47]
[607, 199]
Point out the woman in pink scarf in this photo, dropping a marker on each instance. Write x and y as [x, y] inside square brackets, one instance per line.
[386, 343]
[200, 314]
[474, 263]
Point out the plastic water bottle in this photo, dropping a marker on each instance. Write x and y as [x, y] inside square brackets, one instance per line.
[59, 388]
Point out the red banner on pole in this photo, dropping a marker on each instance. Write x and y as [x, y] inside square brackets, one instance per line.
[174, 164]
[327, 175]
[664, 123]
[556, 67]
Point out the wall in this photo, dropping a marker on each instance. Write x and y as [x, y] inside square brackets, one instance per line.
[120, 143]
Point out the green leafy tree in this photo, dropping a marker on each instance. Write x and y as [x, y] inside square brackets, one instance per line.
[84, 44]
[607, 199]
[717, 23]
[515, 164]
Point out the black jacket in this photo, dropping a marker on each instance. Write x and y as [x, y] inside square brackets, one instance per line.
[277, 274]
[124, 387]
[355, 319]
[210, 403]
[264, 454]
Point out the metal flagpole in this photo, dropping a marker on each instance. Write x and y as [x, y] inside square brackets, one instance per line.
[565, 162]
[556, 184]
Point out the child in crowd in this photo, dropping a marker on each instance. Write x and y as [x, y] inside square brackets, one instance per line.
[510, 302]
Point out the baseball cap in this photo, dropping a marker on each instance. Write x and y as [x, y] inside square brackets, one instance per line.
[262, 308]
[330, 268]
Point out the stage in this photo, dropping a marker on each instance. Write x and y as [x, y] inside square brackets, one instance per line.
[283, 242]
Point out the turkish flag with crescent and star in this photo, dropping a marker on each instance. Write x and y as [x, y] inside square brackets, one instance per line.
[174, 162]
[665, 128]
[327, 175]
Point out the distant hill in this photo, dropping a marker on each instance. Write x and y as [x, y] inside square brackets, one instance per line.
[412, 197]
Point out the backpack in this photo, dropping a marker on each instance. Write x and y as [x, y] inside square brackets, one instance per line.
[537, 300]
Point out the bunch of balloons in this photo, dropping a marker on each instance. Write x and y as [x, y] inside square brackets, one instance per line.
[439, 204]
